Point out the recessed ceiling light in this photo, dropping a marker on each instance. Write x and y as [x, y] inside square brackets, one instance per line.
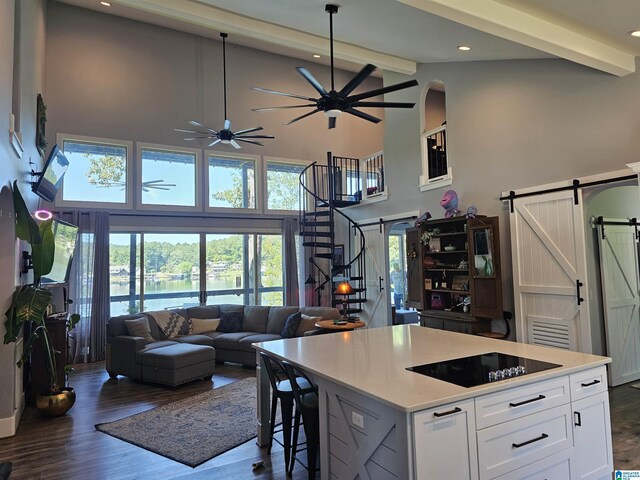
[106, 4]
[463, 48]
[635, 33]
[315, 55]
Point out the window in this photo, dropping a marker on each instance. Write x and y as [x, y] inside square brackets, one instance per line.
[436, 169]
[283, 185]
[168, 177]
[232, 182]
[373, 174]
[124, 273]
[98, 171]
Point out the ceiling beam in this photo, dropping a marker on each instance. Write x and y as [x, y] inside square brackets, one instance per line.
[505, 21]
[205, 16]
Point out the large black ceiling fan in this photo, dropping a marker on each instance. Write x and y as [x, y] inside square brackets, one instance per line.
[225, 135]
[334, 103]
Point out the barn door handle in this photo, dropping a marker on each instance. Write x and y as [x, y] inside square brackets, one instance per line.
[578, 285]
[380, 283]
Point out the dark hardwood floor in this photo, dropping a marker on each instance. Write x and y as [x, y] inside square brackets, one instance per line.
[70, 448]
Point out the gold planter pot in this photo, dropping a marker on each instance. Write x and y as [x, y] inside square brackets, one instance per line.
[56, 405]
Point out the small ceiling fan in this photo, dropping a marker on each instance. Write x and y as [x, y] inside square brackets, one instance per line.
[334, 103]
[225, 135]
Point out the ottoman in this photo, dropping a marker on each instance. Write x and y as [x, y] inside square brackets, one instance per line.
[176, 364]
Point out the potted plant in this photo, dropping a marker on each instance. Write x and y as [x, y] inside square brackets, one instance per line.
[29, 305]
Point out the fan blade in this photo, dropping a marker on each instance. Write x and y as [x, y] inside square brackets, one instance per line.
[254, 136]
[382, 91]
[250, 141]
[357, 80]
[214, 142]
[234, 143]
[332, 122]
[274, 92]
[267, 109]
[382, 104]
[197, 124]
[189, 131]
[227, 124]
[197, 138]
[248, 130]
[303, 116]
[360, 114]
[312, 80]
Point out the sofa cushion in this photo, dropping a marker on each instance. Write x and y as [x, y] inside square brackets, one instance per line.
[208, 311]
[231, 341]
[230, 322]
[195, 339]
[327, 313]
[158, 344]
[291, 325]
[307, 323]
[176, 356]
[171, 322]
[228, 307]
[255, 318]
[278, 317]
[116, 326]
[258, 337]
[202, 325]
[139, 327]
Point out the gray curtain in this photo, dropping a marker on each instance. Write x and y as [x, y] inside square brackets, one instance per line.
[290, 231]
[89, 285]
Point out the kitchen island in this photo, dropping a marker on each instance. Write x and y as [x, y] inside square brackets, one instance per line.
[379, 420]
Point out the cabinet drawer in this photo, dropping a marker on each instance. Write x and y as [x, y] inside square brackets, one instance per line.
[511, 445]
[587, 383]
[514, 403]
[560, 466]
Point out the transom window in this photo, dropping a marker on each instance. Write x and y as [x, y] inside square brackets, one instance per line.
[283, 185]
[232, 182]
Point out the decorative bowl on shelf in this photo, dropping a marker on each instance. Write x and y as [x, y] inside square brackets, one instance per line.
[449, 248]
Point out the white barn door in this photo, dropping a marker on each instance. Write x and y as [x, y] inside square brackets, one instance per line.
[620, 287]
[375, 309]
[549, 271]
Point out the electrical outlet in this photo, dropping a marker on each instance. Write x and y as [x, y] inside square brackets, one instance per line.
[357, 419]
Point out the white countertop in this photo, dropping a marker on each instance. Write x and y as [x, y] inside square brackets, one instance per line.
[373, 362]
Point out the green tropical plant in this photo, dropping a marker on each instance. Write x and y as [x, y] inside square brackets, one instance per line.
[29, 302]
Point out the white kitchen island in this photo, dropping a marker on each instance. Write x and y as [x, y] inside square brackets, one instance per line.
[381, 421]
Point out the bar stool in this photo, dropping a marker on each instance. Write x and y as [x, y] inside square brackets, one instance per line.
[306, 398]
[280, 389]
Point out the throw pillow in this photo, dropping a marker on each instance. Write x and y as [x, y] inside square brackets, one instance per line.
[139, 327]
[307, 323]
[170, 322]
[291, 325]
[230, 322]
[202, 325]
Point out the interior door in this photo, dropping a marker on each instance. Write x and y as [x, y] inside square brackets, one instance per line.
[620, 287]
[375, 309]
[549, 271]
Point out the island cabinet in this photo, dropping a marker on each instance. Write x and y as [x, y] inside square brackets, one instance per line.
[454, 274]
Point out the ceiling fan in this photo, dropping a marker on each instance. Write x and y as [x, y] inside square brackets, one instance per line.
[334, 103]
[225, 135]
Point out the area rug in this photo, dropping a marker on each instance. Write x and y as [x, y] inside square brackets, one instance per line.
[196, 429]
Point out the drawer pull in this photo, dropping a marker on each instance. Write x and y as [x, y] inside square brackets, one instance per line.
[524, 402]
[595, 382]
[448, 412]
[537, 439]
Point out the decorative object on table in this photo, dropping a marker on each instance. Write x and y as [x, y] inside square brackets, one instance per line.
[472, 211]
[449, 248]
[29, 306]
[450, 203]
[488, 266]
[196, 429]
[224, 136]
[423, 218]
[460, 282]
[41, 120]
[463, 265]
[427, 284]
[344, 288]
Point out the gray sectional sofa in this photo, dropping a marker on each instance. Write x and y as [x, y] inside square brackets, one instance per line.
[189, 357]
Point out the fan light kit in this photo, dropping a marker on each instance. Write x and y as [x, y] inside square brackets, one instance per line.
[224, 136]
[334, 103]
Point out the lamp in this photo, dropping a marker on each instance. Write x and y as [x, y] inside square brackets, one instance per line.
[344, 288]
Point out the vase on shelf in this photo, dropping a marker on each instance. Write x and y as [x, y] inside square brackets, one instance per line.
[488, 267]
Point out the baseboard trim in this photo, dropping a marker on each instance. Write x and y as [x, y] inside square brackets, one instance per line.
[9, 426]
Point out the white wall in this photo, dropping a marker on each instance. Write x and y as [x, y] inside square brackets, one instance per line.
[30, 74]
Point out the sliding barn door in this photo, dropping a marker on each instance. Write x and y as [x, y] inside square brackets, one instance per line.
[549, 271]
[620, 286]
[375, 309]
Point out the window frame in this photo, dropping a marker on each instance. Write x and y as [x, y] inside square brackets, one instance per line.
[427, 183]
[258, 208]
[129, 170]
[265, 191]
[198, 186]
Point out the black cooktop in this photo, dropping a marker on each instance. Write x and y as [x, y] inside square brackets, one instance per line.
[480, 369]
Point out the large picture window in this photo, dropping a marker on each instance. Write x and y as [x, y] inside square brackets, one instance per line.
[283, 185]
[98, 172]
[232, 182]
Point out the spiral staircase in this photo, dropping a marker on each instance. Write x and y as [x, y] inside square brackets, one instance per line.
[324, 190]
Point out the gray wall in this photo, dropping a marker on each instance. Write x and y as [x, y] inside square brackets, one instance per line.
[29, 74]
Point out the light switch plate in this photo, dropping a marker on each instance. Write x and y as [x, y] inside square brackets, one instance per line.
[357, 419]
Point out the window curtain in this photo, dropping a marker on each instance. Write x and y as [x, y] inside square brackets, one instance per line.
[89, 285]
[290, 232]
